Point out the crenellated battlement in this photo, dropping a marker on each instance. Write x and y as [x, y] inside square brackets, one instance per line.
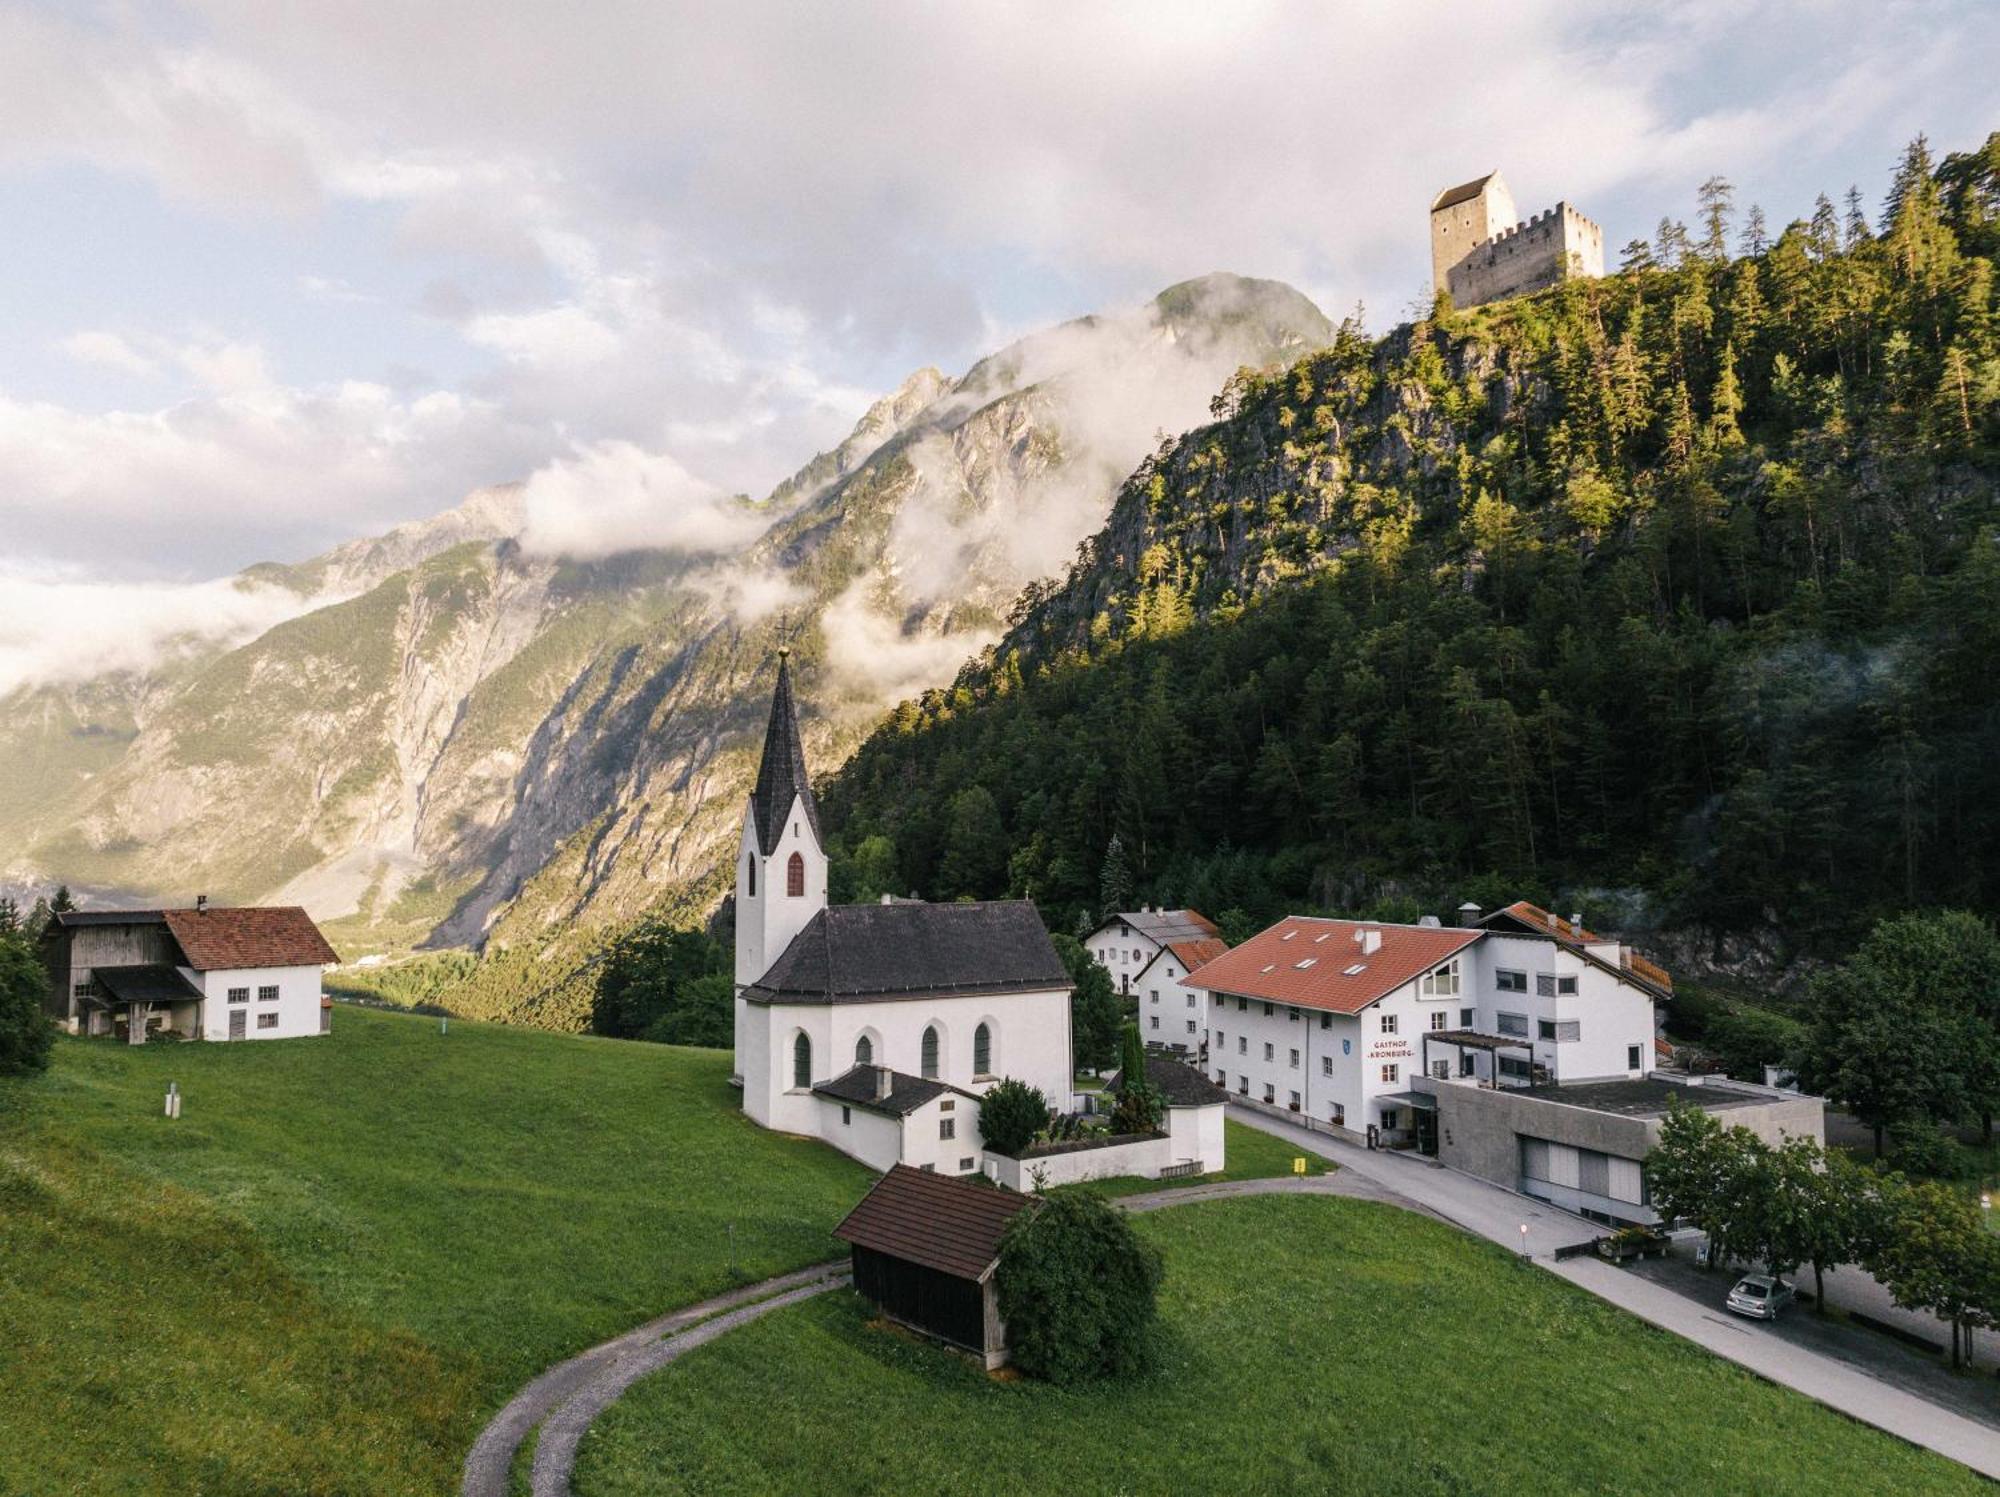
[1482, 251]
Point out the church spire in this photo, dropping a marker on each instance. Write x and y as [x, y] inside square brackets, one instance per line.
[782, 774]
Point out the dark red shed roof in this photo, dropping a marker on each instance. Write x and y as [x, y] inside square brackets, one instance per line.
[950, 1225]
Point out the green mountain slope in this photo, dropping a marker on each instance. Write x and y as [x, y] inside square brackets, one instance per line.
[1672, 595]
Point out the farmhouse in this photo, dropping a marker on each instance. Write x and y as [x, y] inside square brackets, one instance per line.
[204, 973]
[1126, 944]
[854, 1018]
[1518, 1046]
[925, 1250]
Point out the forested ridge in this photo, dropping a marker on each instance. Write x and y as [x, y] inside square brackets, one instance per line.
[1672, 596]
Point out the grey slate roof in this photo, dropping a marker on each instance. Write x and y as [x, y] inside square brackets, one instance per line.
[1178, 1085]
[148, 984]
[851, 953]
[1162, 926]
[906, 1092]
[782, 772]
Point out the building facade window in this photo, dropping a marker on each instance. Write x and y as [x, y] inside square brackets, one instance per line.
[1388, 1023]
[1270, 1051]
[1465, 1063]
[1295, 1060]
[268, 993]
[1242, 1044]
[1510, 982]
[1442, 982]
[982, 1051]
[1440, 1019]
[1191, 1026]
[795, 876]
[239, 995]
[1632, 1062]
[947, 1128]
[1270, 1092]
[750, 873]
[1392, 1072]
[267, 1021]
[1326, 1065]
[930, 1053]
[1549, 985]
[1243, 1086]
[802, 1063]
[864, 1051]
[1465, 1018]
[846, 1117]
[1156, 1021]
[1295, 1102]
[1513, 1025]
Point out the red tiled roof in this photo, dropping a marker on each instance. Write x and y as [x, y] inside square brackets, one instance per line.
[1330, 948]
[1573, 933]
[949, 1225]
[1548, 924]
[267, 936]
[1192, 954]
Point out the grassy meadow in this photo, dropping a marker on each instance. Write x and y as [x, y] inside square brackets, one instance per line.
[348, 1251]
[1312, 1344]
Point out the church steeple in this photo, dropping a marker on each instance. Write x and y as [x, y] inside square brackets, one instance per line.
[782, 774]
[781, 866]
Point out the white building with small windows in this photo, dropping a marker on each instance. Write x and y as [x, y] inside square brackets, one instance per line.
[1334, 1020]
[1173, 1016]
[207, 973]
[877, 1027]
[1128, 942]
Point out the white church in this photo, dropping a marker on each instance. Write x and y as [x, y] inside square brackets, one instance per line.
[877, 1027]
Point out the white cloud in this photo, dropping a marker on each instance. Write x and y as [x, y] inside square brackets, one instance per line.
[226, 368]
[109, 351]
[616, 497]
[871, 654]
[57, 626]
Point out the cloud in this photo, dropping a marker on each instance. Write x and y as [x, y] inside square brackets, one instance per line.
[616, 496]
[870, 653]
[749, 594]
[57, 626]
[109, 351]
[260, 472]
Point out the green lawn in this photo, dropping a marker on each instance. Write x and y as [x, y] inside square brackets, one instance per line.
[1314, 1344]
[348, 1251]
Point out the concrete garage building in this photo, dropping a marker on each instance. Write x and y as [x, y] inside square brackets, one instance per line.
[1582, 1146]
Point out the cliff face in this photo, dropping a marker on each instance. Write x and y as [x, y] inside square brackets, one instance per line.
[479, 744]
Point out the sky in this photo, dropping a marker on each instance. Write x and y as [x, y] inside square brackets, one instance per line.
[281, 275]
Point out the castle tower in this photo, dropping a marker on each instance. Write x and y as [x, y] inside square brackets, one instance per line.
[780, 866]
[1463, 217]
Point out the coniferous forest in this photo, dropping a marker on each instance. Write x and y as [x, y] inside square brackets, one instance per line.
[1672, 596]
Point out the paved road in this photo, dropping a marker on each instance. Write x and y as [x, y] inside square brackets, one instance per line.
[1500, 1215]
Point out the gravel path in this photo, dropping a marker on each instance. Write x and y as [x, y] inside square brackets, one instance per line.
[608, 1366]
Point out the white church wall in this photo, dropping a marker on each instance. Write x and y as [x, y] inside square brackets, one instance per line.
[874, 1139]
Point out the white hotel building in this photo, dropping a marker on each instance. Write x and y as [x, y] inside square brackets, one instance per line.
[1335, 1021]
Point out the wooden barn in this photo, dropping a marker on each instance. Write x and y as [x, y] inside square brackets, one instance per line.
[925, 1248]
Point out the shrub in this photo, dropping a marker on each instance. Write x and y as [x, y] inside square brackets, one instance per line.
[25, 1036]
[1010, 1115]
[1077, 1289]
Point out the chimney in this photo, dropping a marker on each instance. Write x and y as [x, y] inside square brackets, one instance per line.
[1576, 923]
[1468, 913]
[885, 1082]
[201, 904]
[888, 899]
[1371, 942]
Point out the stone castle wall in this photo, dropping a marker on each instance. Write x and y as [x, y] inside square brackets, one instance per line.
[1550, 247]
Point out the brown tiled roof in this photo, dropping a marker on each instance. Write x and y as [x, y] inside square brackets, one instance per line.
[1455, 195]
[933, 1220]
[253, 936]
[1320, 964]
[1192, 954]
[1572, 933]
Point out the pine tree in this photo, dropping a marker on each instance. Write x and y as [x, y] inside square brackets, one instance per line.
[1857, 220]
[1824, 233]
[1755, 239]
[10, 917]
[1637, 255]
[1912, 179]
[1670, 243]
[1715, 197]
[1114, 884]
[60, 903]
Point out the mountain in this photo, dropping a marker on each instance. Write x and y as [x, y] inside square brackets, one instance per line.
[1670, 597]
[474, 743]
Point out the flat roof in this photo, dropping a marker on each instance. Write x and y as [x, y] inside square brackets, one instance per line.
[1644, 1097]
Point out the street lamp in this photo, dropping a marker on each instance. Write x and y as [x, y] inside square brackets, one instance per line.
[1524, 1239]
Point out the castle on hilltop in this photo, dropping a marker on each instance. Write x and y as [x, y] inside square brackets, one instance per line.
[1482, 251]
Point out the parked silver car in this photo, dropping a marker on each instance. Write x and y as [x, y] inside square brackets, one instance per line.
[1760, 1296]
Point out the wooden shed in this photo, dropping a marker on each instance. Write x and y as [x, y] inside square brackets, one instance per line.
[925, 1249]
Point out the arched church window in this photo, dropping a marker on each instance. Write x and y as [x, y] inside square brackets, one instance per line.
[802, 1062]
[751, 863]
[930, 1066]
[864, 1051]
[982, 1051]
[795, 876]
